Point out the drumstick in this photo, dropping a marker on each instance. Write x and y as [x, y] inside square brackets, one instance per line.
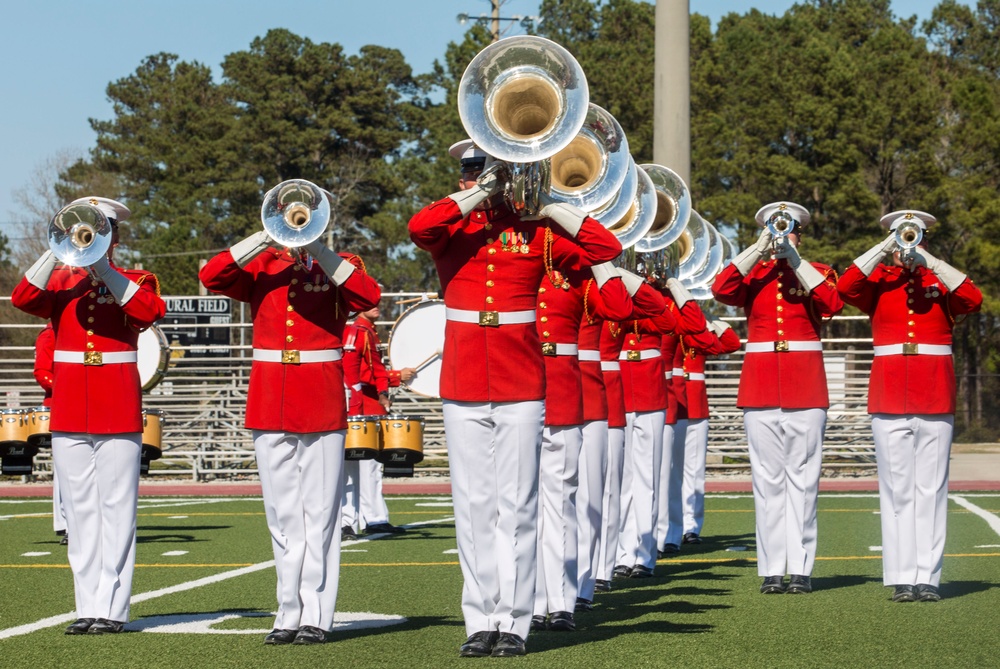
[426, 362]
[426, 296]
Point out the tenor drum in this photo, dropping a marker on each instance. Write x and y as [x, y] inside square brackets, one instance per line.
[416, 340]
[39, 432]
[13, 427]
[402, 440]
[152, 433]
[153, 357]
[362, 438]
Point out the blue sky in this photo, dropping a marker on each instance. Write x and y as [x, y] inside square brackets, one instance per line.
[59, 55]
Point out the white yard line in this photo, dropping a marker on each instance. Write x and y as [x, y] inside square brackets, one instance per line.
[991, 518]
[65, 618]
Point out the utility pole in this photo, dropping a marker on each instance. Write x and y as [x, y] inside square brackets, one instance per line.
[672, 88]
[496, 19]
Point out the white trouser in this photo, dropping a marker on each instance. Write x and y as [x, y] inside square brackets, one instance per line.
[786, 455]
[640, 481]
[363, 503]
[58, 509]
[99, 484]
[558, 472]
[301, 478]
[668, 501]
[912, 454]
[693, 489]
[607, 551]
[589, 502]
[493, 453]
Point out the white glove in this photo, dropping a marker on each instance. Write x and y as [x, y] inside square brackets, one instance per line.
[566, 216]
[333, 265]
[718, 327]
[486, 185]
[949, 276]
[603, 272]
[247, 249]
[632, 281]
[38, 275]
[120, 286]
[808, 275]
[745, 261]
[679, 292]
[876, 254]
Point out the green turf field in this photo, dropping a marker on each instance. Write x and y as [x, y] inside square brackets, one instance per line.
[204, 592]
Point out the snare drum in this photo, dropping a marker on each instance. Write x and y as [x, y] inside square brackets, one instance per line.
[402, 440]
[39, 432]
[362, 438]
[153, 357]
[152, 433]
[13, 427]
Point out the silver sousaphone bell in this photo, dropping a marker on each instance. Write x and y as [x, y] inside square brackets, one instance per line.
[79, 235]
[295, 212]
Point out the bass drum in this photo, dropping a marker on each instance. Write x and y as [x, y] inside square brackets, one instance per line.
[153, 357]
[416, 340]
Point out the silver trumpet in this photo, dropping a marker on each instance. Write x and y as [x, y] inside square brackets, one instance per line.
[79, 235]
[295, 212]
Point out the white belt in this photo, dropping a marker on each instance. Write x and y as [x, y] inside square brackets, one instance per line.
[490, 318]
[95, 357]
[610, 366]
[292, 357]
[782, 345]
[636, 356]
[913, 348]
[669, 374]
[695, 376]
[678, 371]
[589, 355]
[548, 348]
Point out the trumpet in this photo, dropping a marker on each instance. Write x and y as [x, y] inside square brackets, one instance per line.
[909, 234]
[295, 212]
[79, 235]
[780, 224]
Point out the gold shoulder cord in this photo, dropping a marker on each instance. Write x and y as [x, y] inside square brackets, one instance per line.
[549, 239]
[615, 329]
[586, 311]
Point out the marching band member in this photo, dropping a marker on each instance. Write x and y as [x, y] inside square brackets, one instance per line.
[645, 391]
[96, 316]
[297, 411]
[490, 263]
[912, 302]
[369, 381]
[562, 301]
[45, 346]
[783, 390]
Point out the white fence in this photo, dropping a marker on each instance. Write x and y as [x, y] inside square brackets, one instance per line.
[203, 396]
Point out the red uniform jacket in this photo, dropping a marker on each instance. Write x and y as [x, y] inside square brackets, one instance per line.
[779, 309]
[94, 399]
[45, 347]
[909, 306]
[690, 394]
[558, 316]
[293, 309]
[493, 261]
[364, 372]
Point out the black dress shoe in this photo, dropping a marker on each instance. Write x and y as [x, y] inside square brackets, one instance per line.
[799, 585]
[384, 528]
[928, 593]
[80, 626]
[641, 571]
[309, 635]
[347, 532]
[537, 624]
[691, 538]
[561, 621]
[479, 644]
[508, 645]
[583, 604]
[279, 637]
[905, 593]
[64, 540]
[621, 571]
[773, 585]
[668, 550]
[602, 586]
[105, 626]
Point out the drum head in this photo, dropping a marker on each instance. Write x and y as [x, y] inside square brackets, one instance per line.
[416, 340]
[153, 357]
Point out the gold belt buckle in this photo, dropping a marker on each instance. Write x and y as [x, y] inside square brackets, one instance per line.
[489, 319]
[548, 348]
[910, 348]
[290, 357]
[633, 356]
[93, 358]
[781, 346]
[687, 376]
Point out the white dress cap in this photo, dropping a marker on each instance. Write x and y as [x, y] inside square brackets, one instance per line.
[110, 208]
[892, 220]
[796, 211]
